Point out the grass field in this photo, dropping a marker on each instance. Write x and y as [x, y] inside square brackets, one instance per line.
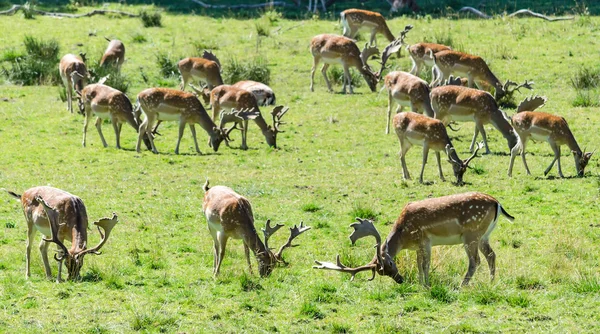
[334, 162]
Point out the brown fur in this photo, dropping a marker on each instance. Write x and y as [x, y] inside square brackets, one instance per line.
[358, 18]
[114, 54]
[200, 69]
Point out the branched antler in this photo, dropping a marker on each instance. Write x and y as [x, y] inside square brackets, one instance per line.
[532, 103]
[527, 84]
[52, 215]
[294, 232]
[268, 231]
[211, 56]
[393, 47]
[367, 53]
[342, 268]
[277, 113]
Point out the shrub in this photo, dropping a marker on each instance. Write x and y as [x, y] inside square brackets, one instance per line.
[310, 207]
[139, 38]
[312, 311]
[586, 78]
[151, 19]
[39, 64]
[115, 80]
[336, 74]
[442, 294]
[10, 55]
[256, 69]
[363, 212]
[167, 65]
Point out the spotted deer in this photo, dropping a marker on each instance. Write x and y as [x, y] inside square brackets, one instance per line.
[264, 94]
[531, 124]
[202, 69]
[466, 219]
[60, 216]
[114, 54]
[167, 104]
[229, 215]
[74, 75]
[420, 55]
[354, 20]
[415, 129]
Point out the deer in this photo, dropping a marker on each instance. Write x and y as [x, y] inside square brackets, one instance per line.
[467, 218]
[114, 54]
[335, 49]
[59, 215]
[354, 20]
[74, 75]
[416, 129]
[464, 104]
[407, 90]
[230, 97]
[264, 94]
[420, 55]
[472, 67]
[229, 215]
[167, 104]
[529, 123]
[203, 69]
[105, 102]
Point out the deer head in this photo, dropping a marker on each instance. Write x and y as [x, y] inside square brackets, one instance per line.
[505, 90]
[267, 260]
[460, 166]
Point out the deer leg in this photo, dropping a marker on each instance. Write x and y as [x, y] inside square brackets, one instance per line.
[184, 81]
[524, 141]
[471, 80]
[423, 261]
[30, 235]
[86, 121]
[99, 128]
[438, 158]
[59, 275]
[44, 251]
[324, 71]
[425, 154]
[373, 41]
[348, 78]
[117, 127]
[470, 246]
[222, 240]
[155, 130]
[244, 135]
[556, 150]
[389, 112]
[404, 147]
[193, 131]
[146, 123]
[181, 129]
[247, 253]
[312, 72]
[479, 128]
[490, 256]
[415, 68]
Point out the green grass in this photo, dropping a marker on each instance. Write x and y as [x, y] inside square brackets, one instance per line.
[155, 273]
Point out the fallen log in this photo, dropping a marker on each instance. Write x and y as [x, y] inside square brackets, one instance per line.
[15, 8]
[526, 12]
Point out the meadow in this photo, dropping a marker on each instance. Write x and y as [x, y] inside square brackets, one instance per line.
[334, 163]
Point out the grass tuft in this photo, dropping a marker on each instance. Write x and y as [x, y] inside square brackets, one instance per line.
[586, 78]
[336, 74]
[442, 294]
[586, 283]
[167, 65]
[248, 284]
[10, 224]
[310, 207]
[312, 311]
[256, 69]
[518, 300]
[139, 38]
[529, 283]
[151, 19]
[363, 212]
[340, 328]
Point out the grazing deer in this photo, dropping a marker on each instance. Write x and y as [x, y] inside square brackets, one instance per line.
[59, 215]
[229, 215]
[408, 91]
[230, 97]
[474, 68]
[334, 49]
[264, 94]
[114, 54]
[105, 102]
[165, 104]
[467, 219]
[545, 127]
[74, 75]
[206, 69]
[354, 20]
[420, 55]
[415, 129]
[463, 104]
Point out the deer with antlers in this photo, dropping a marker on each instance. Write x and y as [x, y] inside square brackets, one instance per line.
[474, 68]
[105, 102]
[204, 69]
[114, 54]
[354, 20]
[58, 215]
[415, 129]
[246, 108]
[463, 104]
[334, 49]
[467, 219]
[420, 55]
[165, 104]
[74, 75]
[531, 124]
[229, 215]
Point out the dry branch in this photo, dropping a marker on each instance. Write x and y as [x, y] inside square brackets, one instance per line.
[526, 12]
[16, 8]
[260, 5]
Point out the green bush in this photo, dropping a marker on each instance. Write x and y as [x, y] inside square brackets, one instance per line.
[256, 69]
[167, 64]
[38, 66]
[151, 19]
[115, 80]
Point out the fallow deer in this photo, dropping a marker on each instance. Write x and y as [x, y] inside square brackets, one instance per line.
[474, 68]
[167, 104]
[335, 49]
[229, 215]
[58, 215]
[463, 104]
[354, 20]
[105, 102]
[420, 55]
[408, 91]
[114, 54]
[205, 69]
[74, 75]
[467, 219]
[545, 127]
[264, 94]
[227, 97]
[415, 129]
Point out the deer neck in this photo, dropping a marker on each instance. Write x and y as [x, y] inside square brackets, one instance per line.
[383, 28]
[500, 123]
[572, 143]
[205, 122]
[262, 124]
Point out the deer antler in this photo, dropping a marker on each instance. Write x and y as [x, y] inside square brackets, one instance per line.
[294, 232]
[527, 84]
[107, 224]
[532, 103]
[277, 113]
[211, 56]
[342, 268]
[479, 146]
[268, 231]
[52, 215]
[393, 47]
[449, 150]
[458, 81]
[367, 52]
